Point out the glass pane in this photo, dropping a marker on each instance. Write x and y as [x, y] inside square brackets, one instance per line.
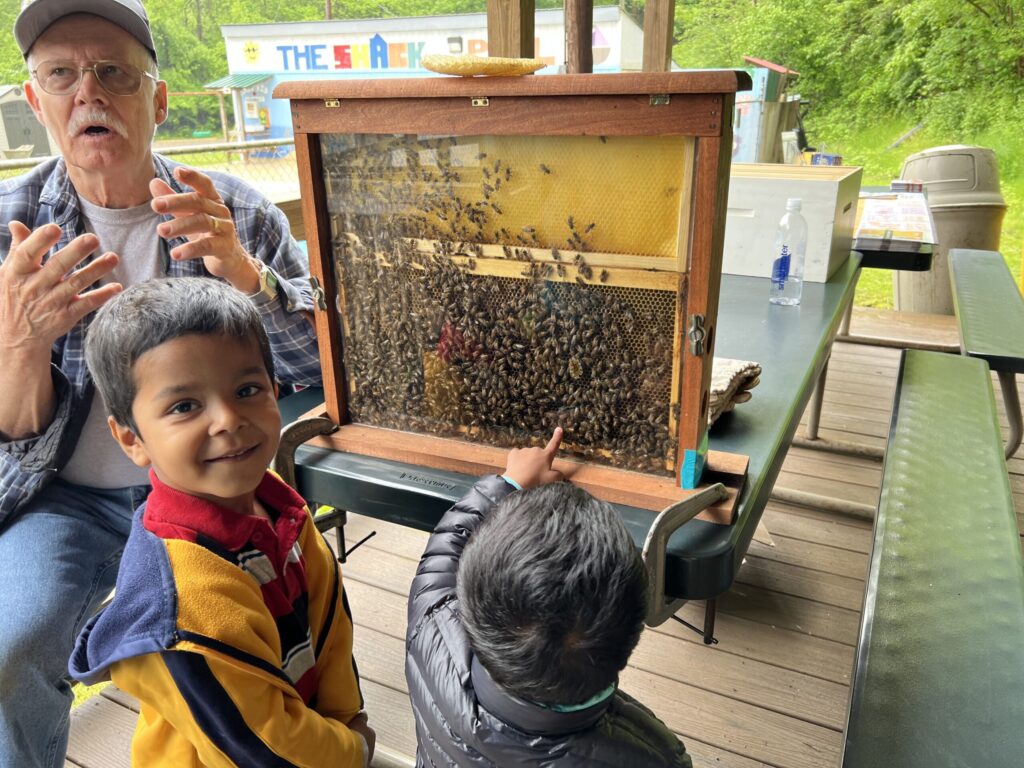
[492, 288]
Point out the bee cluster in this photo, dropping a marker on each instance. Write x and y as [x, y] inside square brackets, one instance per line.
[437, 340]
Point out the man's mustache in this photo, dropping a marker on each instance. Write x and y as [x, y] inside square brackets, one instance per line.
[95, 117]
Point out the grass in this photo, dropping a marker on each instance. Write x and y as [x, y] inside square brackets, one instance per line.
[872, 149]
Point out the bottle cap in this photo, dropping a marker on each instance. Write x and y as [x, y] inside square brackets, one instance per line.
[793, 204]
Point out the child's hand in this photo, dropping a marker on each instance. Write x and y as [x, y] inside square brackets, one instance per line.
[360, 725]
[530, 467]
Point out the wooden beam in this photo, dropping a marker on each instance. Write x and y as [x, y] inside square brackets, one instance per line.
[510, 28]
[579, 36]
[714, 156]
[616, 486]
[659, 21]
[318, 241]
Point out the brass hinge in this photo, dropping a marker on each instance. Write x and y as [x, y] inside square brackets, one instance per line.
[480, 101]
[696, 335]
[660, 99]
[319, 299]
[332, 103]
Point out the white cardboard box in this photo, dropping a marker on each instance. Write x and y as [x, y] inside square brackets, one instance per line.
[757, 200]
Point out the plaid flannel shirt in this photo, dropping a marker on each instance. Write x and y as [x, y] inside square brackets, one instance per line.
[45, 195]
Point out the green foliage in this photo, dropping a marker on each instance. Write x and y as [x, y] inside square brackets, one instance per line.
[957, 65]
[12, 66]
[873, 69]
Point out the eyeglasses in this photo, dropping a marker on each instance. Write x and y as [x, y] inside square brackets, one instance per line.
[59, 78]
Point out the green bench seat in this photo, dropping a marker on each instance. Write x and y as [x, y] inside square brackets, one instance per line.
[938, 675]
[990, 316]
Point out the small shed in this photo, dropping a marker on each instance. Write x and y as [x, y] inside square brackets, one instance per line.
[21, 135]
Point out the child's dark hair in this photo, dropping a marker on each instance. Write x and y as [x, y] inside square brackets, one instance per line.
[149, 314]
[552, 593]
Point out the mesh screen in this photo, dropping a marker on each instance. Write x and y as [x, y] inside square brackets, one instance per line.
[453, 327]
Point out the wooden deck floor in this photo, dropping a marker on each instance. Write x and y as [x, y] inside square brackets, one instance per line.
[773, 692]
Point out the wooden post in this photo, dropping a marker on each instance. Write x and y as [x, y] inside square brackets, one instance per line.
[659, 21]
[510, 28]
[223, 116]
[714, 155]
[579, 36]
[317, 219]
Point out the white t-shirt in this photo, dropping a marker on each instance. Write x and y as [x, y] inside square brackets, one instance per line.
[98, 460]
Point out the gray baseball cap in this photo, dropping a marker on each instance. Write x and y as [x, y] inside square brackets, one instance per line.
[37, 16]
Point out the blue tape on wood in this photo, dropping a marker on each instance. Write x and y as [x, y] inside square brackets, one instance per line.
[693, 465]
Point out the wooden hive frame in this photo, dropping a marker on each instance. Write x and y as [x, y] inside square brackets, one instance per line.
[694, 105]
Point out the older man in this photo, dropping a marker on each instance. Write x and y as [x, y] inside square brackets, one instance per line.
[107, 213]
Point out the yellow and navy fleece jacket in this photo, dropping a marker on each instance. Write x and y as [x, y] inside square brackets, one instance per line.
[233, 633]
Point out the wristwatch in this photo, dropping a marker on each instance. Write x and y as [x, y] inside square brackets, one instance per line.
[268, 285]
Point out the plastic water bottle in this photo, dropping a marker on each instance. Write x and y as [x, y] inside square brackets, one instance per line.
[790, 247]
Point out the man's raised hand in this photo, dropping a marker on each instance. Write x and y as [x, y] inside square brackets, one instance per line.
[202, 218]
[40, 302]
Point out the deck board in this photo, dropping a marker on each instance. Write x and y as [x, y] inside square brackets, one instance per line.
[773, 692]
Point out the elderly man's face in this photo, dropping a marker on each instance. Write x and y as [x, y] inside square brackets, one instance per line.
[98, 132]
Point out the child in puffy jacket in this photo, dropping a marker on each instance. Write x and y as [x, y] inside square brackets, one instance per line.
[528, 601]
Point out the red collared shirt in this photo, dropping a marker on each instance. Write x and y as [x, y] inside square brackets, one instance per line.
[270, 553]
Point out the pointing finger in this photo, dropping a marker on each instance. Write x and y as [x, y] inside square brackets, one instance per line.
[556, 439]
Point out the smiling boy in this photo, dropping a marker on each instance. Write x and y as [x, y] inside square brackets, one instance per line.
[229, 622]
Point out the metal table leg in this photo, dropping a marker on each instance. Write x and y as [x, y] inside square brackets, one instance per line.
[1011, 401]
[709, 621]
[844, 326]
[810, 438]
[814, 411]
[814, 414]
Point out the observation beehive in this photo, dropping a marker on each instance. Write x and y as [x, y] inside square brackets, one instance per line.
[501, 256]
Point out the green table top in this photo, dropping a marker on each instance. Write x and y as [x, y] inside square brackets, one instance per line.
[940, 664]
[989, 308]
[791, 344]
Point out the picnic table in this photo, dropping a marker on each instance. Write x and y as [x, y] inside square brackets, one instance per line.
[792, 344]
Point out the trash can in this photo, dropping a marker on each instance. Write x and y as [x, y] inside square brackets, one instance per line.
[962, 183]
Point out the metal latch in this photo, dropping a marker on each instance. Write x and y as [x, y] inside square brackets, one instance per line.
[696, 335]
[480, 101]
[660, 99]
[319, 298]
[332, 103]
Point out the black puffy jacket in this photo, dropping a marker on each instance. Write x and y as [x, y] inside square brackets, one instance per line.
[463, 718]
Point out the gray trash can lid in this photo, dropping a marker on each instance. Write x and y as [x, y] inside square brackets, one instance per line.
[956, 175]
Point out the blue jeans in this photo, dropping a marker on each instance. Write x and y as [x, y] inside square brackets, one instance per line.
[58, 562]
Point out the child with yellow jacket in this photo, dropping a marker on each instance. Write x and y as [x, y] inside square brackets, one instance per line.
[229, 622]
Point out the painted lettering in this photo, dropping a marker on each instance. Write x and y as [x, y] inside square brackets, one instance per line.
[415, 54]
[342, 57]
[477, 47]
[378, 53]
[360, 56]
[315, 53]
[285, 50]
[398, 55]
[303, 57]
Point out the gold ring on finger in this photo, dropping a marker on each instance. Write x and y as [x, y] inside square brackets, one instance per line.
[216, 224]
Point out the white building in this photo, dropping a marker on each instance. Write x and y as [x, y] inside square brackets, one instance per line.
[262, 55]
[21, 135]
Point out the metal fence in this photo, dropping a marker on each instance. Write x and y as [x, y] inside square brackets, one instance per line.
[268, 164]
